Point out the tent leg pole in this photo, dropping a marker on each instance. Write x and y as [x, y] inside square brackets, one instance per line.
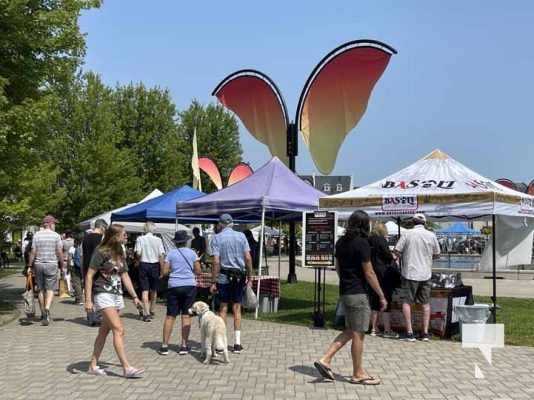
[292, 276]
[494, 251]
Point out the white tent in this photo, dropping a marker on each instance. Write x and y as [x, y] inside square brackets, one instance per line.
[393, 228]
[90, 223]
[437, 186]
[268, 231]
[443, 189]
[165, 230]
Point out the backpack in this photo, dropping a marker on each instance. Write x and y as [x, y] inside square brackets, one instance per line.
[28, 248]
[76, 258]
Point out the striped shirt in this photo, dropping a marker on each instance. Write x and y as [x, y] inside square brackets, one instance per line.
[45, 243]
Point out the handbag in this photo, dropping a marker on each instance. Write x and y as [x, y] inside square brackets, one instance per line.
[396, 267]
[250, 299]
[29, 298]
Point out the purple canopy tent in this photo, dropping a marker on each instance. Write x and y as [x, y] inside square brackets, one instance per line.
[272, 192]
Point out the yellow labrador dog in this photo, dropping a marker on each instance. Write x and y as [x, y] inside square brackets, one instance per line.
[212, 332]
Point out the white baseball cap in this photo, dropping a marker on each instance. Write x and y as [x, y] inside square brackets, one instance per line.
[420, 217]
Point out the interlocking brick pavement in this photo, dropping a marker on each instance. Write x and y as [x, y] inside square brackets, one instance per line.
[277, 363]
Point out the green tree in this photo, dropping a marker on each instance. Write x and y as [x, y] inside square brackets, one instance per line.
[97, 173]
[148, 119]
[217, 138]
[40, 48]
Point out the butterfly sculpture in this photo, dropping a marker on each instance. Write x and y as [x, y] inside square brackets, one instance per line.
[331, 104]
[239, 171]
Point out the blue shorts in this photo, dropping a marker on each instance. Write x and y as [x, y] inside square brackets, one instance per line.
[148, 276]
[230, 292]
[180, 299]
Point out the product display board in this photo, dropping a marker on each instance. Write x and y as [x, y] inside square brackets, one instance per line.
[319, 235]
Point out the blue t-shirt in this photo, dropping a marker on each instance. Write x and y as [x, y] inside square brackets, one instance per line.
[230, 246]
[182, 267]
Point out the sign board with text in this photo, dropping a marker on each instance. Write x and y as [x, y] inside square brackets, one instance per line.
[319, 235]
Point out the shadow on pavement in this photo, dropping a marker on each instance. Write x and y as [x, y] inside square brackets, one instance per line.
[78, 320]
[27, 321]
[133, 316]
[156, 345]
[81, 367]
[310, 371]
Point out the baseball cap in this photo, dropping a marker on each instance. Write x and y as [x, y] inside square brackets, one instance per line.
[225, 219]
[50, 219]
[420, 217]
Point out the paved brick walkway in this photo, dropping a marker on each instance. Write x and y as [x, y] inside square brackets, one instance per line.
[50, 362]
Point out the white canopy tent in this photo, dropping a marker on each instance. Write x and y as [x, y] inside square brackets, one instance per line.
[90, 223]
[268, 231]
[437, 186]
[165, 230]
[443, 189]
[393, 228]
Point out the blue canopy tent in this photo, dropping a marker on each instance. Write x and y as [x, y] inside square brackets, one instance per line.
[458, 228]
[159, 209]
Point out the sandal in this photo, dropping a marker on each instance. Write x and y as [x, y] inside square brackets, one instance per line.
[365, 381]
[96, 371]
[325, 371]
[133, 373]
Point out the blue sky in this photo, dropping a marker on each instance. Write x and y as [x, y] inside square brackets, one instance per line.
[462, 81]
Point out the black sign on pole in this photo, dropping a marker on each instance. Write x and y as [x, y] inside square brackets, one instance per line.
[320, 232]
[319, 238]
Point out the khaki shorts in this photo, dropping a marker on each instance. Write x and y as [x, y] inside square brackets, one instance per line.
[46, 275]
[415, 291]
[357, 312]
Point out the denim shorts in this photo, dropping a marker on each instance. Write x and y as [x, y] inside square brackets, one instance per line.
[180, 299]
[148, 276]
[230, 292]
[106, 300]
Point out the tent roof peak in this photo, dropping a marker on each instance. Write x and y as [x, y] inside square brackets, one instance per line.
[437, 155]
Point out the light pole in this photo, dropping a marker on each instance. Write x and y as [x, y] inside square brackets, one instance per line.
[332, 102]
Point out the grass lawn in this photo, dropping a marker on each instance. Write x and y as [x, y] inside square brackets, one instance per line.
[516, 315]
[296, 307]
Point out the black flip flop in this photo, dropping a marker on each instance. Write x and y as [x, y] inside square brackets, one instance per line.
[324, 371]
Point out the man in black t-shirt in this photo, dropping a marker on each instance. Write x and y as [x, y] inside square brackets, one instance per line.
[199, 244]
[90, 242]
[356, 274]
